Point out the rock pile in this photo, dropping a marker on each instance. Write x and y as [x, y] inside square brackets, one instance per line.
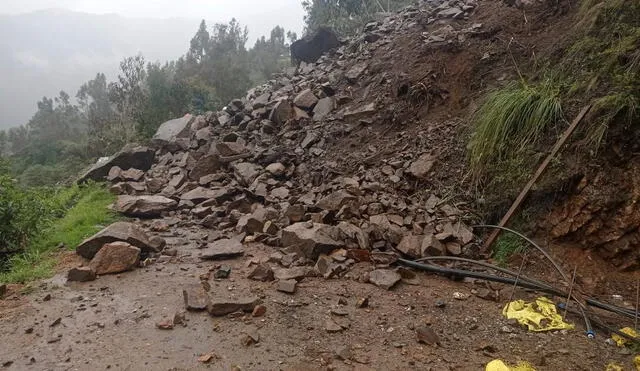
[261, 170]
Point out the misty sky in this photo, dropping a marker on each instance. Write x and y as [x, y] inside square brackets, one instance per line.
[259, 15]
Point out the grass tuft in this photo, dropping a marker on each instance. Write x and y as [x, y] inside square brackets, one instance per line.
[507, 245]
[511, 120]
[88, 215]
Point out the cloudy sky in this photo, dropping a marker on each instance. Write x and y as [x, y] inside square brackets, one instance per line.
[259, 15]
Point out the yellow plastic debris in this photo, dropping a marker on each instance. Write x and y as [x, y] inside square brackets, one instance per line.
[614, 367]
[540, 315]
[499, 365]
[636, 362]
[622, 341]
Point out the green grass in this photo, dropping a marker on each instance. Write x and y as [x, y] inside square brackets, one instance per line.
[511, 120]
[88, 215]
[507, 245]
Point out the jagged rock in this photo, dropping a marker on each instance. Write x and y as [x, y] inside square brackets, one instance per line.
[355, 72]
[384, 278]
[200, 194]
[360, 111]
[115, 257]
[144, 206]
[295, 273]
[281, 112]
[312, 239]
[222, 249]
[155, 185]
[411, 246]
[81, 274]
[422, 166]
[119, 231]
[171, 131]
[178, 180]
[222, 307]
[131, 174]
[262, 272]
[114, 173]
[230, 148]
[324, 107]
[205, 165]
[246, 172]
[336, 200]
[431, 246]
[295, 213]
[195, 298]
[312, 46]
[462, 233]
[375, 208]
[129, 157]
[261, 101]
[453, 248]
[287, 286]
[355, 234]
[305, 99]
[157, 243]
[276, 169]
[299, 114]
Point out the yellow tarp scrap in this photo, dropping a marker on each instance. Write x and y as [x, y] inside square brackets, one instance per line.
[540, 315]
[636, 362]
[499, 365]
[622, 341]
[614, 367]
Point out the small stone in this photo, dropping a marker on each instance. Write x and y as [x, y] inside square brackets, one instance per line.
[251, 337]
[115, 257]
[223, 272]
[259, 311]
[362, 303]
[81, 274]
[222, 249]
[206, 358]
[331, 327]
[165, 324]
[261, 272]
[384, 278]
[426, 335]
[460, 296]
[287, 286]
[180, 318]
[195, 298]
[440, 303]
[344, 353]
[222, 307]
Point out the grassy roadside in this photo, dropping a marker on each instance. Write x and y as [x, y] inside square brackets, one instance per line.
[84, 217]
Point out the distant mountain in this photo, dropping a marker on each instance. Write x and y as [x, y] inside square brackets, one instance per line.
[47, 51]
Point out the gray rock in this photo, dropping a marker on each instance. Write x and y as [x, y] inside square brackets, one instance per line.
[354, 73]
[312, 240]
[246, 172]
[200, 194]
[287, 286]
[431, 246]
[305, 99]
[144, 206]
[295, 273]
[129, 157]
[131, 174]
[360, 111]
[411, 246]
[205, 165]
[384, 278]
[281, 112]
[323, 108]
[171, 131]
[222, 249]
[230, 148]
[119, 231]
[222, 307]
[276, 169]
[261, 272]
[336, 200]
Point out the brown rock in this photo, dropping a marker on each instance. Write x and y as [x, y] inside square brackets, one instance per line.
[81, 274]
[222, 249]
[453, 248]
[295, 273]
[129, 157]
[132, 174]
[426, 335]
[120, 231]
[205, 165]
[165, 324]
[195, 298]
[261, 272]
[222, 307]
[115, 257]
[259, 311]
[384, 278]
[324, 107]
[422, 166]
[331, 326]
[336, 200]
[276, 169]
[431, 246]
[230, 148]
[200, 194]
[312, 239]
[114, 173]
[144, 206]
[281, 112]
[295, 213]
[411, 246]
[246, 172]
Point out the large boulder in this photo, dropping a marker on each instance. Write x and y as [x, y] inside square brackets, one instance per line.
[130, 157]
[115, 257]
[171, 132]
[144, 206]
[119, 231]
[311, 47]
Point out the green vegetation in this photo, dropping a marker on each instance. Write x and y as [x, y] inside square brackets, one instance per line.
[511, 120]
[507, 245]
[87, 213]
[348, 17]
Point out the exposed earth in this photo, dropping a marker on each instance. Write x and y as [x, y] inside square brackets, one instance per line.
[265, 236]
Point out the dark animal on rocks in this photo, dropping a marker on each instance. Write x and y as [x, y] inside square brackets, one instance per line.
[311, 47]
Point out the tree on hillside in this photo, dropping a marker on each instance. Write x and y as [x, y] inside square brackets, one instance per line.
[347, 17]
[93, 98]
[199, 43]
[270, 55]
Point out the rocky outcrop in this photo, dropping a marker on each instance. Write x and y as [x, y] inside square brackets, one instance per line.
[130, 157]
[144, 206]
[119, 231]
